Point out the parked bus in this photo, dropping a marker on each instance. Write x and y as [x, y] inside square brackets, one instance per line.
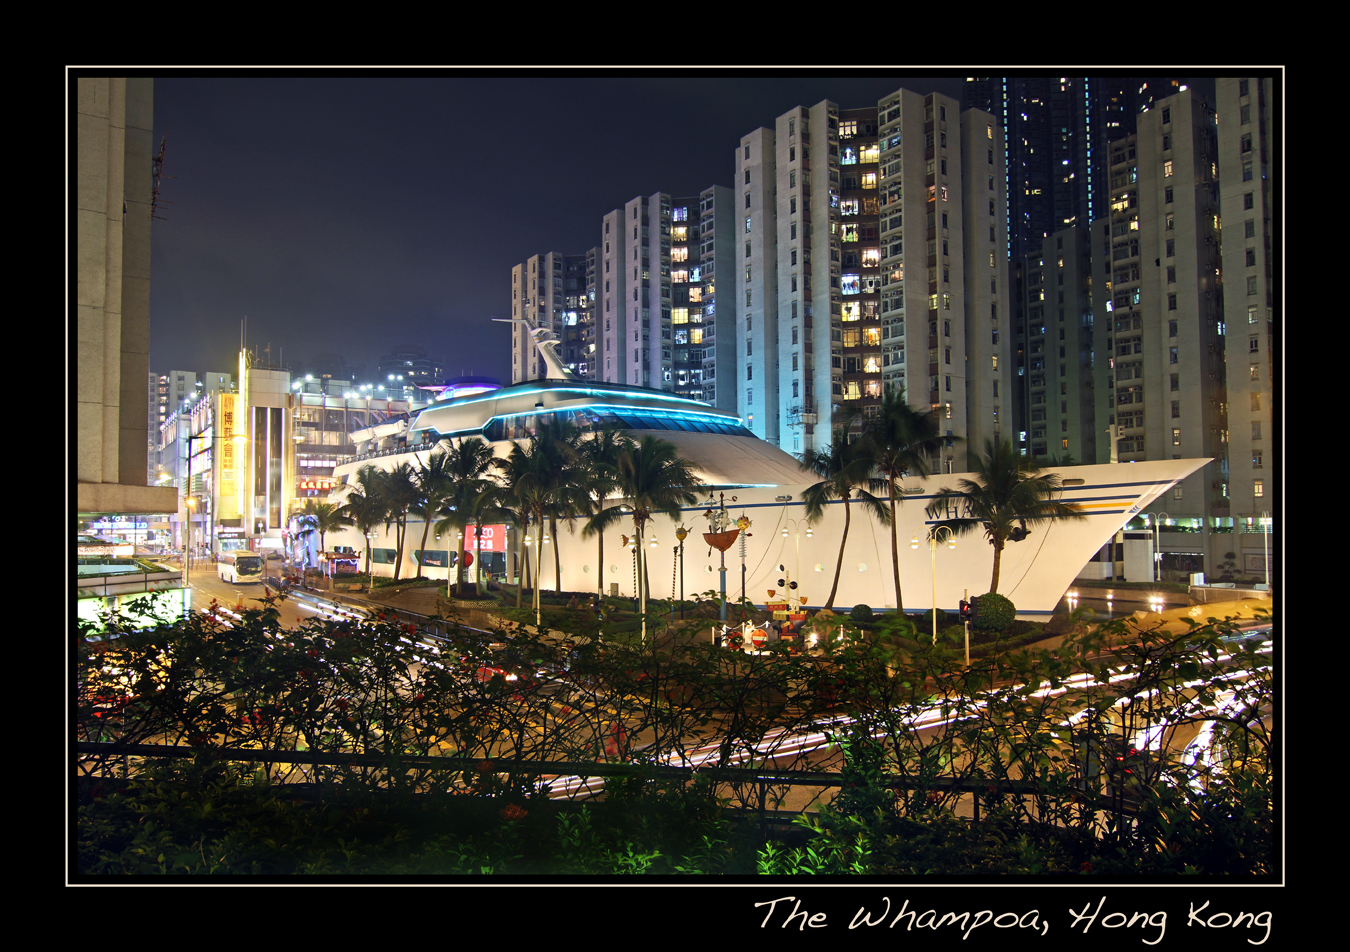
[240, 567]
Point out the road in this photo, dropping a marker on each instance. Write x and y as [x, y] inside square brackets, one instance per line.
[207, 588]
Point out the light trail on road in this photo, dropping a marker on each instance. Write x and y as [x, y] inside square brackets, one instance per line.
[817, 736]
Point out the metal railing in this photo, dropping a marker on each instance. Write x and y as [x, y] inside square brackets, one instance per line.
[758, 779]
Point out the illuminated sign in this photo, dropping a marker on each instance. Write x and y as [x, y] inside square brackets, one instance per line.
[117, 523]
[493, 539]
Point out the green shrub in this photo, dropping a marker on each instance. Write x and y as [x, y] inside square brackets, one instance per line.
[861, 613]
[925, 621]
[992, 612]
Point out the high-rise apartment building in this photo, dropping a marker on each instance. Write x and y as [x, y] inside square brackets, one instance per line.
[641, 308]
[1057, 130]
[1244, 106]
[551, 291]
[702, 236]
[1053, 345]
[639, 280]
[837, 205]
[1050, 138]
[1160, 367]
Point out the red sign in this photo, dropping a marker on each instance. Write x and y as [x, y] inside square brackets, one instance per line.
[492, 540]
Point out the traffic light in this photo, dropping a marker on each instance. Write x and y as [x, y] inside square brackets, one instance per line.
[966, 610]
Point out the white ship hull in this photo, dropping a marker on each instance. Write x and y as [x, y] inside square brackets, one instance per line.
[765, 484]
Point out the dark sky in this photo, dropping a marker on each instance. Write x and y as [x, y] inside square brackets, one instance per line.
[354, 214]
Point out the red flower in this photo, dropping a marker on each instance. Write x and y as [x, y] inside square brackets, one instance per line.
[1086, 867]
[512, 812]
[485, 766]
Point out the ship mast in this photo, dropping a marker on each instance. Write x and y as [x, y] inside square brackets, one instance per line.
[547, 345]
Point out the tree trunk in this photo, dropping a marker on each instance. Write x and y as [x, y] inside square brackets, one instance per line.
[522, 565]
[998, 556]
[895, 554]
[557, 558]
[426, 529]
[839, 565]
[538, 589]
[399, 528]
[601, 575]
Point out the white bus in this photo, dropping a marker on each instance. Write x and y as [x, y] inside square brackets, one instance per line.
[240, 566]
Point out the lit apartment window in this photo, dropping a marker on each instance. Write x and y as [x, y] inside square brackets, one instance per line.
[1258, 487]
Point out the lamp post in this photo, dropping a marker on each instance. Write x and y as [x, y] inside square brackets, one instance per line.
[1157, 541]
[681, 533]
[934, 537]
[1265, 534]
[190, 502]
[642, 582]
[797, 530]
[743, 523]
[538, 567]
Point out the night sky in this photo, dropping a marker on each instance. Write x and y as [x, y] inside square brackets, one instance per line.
[354, 214]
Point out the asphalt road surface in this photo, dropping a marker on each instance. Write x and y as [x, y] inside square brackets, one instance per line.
[207, 588]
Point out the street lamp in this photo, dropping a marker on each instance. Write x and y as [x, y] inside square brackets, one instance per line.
[1157, 542]
[797, 531]
[190, 501]
[1265, 533]
[681, 533]
[934, 537]
[538, 567]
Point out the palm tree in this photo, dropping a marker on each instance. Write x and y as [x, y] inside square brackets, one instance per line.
[535, 486]
[899, 441]
[321, 518]
[600, 460]
[365, 505]
[398, 488]
[499, 502]
[561, 446]
[653, 479]
[466, 466]
[435, 485]
[1008, 497]
[844, 470]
